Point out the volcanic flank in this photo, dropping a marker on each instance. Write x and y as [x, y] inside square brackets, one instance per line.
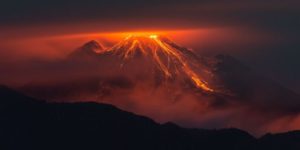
[168, 58]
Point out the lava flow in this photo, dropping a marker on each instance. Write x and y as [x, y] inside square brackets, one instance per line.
[168, 57]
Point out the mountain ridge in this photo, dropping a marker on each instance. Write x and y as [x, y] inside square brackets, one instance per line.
[37, 125]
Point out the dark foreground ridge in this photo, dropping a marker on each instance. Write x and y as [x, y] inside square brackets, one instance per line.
[30, 124]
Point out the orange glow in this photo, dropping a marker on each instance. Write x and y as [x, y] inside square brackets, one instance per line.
[153, 36]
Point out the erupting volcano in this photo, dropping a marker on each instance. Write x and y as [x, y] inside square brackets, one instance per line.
[171, 59]
[153, 76]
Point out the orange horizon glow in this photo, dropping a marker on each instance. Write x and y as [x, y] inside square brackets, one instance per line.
[56, 46]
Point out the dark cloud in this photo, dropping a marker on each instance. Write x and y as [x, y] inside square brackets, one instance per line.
[274, 13]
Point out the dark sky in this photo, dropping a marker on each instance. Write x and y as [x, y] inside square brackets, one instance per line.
[278, 19]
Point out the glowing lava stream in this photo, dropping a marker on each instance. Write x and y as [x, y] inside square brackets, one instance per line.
[151, 45]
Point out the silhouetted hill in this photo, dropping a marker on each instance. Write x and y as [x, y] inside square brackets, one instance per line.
[30, 124]
[281, 141]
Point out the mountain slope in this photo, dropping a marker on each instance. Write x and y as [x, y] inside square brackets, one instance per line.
[88, 50]
[30, 124]
[250, 86]
[169, 59]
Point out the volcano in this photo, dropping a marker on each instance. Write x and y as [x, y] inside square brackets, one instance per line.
[155, 58]
[153, 76]
[166, 56]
